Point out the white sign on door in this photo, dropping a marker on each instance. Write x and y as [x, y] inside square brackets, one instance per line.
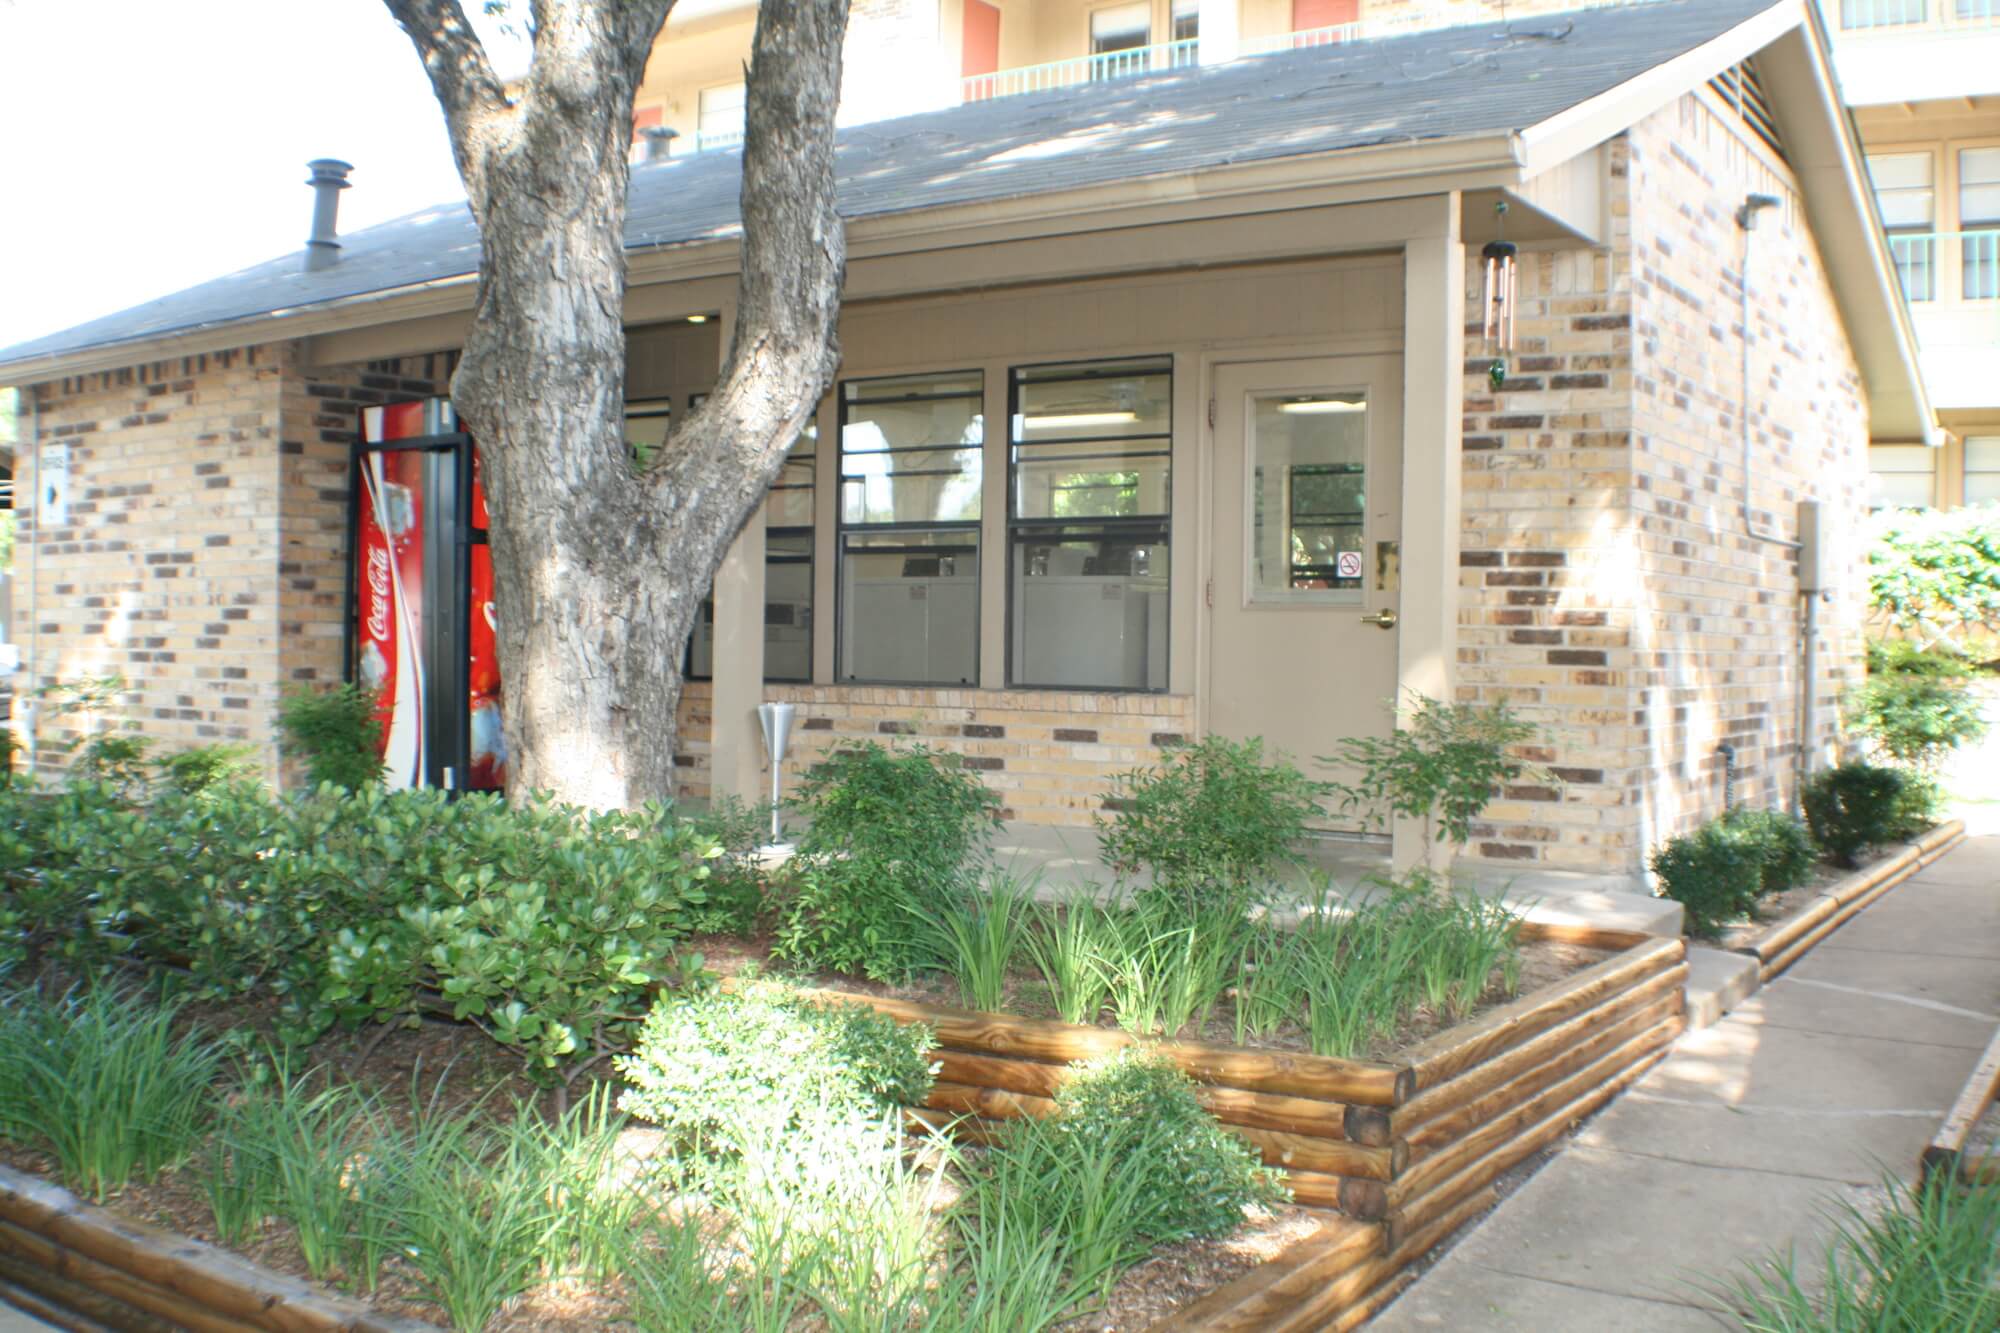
[1348, 565]
[52, 486]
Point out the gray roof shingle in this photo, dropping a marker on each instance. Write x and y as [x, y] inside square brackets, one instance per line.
[1441, 84]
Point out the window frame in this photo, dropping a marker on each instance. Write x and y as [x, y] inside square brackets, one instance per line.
[1015, 524]
[1964, 231]
[973, 528]
[1939, 192]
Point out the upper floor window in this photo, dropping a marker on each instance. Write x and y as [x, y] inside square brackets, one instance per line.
[1902, 476]
[1120, 28]
[1982, 469]
[1884, 13]
[1187, 20]
[721, 115]
[1906, 194]
[1979, 220]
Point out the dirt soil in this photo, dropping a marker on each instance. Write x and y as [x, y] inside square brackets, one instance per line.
[1824, 877]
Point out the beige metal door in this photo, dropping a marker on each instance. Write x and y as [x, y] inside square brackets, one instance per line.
[1306, 502]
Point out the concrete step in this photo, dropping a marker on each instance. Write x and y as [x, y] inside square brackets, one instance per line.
[1718, 981]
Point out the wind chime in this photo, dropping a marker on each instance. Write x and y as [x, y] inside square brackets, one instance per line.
[1501, 300]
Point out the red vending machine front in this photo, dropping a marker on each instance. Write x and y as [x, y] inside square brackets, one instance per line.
[421, 632]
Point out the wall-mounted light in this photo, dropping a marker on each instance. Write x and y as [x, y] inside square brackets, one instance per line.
[1315, 406]
[697, 319]
[1500, 297]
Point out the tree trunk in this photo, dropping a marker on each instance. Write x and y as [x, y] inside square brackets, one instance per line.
[599, 572]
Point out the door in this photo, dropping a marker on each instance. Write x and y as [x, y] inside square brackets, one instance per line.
[1306, 501]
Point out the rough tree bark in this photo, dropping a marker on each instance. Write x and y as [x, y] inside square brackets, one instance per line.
[599, 572]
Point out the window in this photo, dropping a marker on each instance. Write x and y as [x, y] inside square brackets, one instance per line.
[1090, 456]
[1123, 28]
[1882, 13]
[647, 421]
[1906, 194]
[1982, 469]
[1307, 496]
[1902, 476]
[1979, 220]
[910, 480]
[1187, 20]
[721, 116]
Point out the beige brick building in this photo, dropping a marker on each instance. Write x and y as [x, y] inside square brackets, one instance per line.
[1176, 419]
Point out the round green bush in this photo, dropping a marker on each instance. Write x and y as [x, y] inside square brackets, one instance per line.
[1714, 873]
[1782, 844]
[1852, 807]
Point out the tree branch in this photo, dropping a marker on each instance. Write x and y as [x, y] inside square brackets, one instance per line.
[473, 98]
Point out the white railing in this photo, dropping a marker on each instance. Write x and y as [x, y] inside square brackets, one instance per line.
[1947, 265]
[1107, 65]
[1904, 15]
[1298, 41]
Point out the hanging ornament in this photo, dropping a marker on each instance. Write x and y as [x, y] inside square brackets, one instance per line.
[1500, 300]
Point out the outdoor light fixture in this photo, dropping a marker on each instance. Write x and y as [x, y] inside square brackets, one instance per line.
[1077, 420]
[776, 721]
[1500, 297]
[1315, 406]
[697, 319]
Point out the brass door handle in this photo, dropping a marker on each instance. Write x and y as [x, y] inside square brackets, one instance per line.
[1381, 619]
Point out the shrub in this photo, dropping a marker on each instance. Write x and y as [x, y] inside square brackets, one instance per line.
[1852, 807]
[1935, 574]
[337, 732]
[1782, 845]
[894, 835]
[1916, 718]
[205, 768]
[1445, 766]
[1210, 819]
[734, 901]
[1713, 873]
[711, 1066]
[1135, 1111]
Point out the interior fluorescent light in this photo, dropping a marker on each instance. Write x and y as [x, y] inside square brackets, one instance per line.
[697, 319]
[1074, 419]
[1316, 405]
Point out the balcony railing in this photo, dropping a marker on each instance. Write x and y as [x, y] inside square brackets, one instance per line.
[1297, 41]
[1946, 265]
[1879, 15]
[1099, 68]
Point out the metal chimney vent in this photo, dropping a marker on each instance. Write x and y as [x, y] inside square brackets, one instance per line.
[329, 178]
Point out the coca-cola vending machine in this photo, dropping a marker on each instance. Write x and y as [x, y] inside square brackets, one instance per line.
[421, 629]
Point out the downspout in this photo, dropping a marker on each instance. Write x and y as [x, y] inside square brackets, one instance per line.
[1746, 218]
[27, 703]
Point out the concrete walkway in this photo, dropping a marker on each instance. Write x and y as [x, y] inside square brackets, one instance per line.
[1749, 1132]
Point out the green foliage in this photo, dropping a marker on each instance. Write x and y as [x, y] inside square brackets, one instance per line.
[101, 1078]
[544, 925]
[894, 835]
[1129, 1159]
[1900, 657]
[1783, 846]
[735, 899]
[1066, 944]
[1852, 807]
[714, 1068]
[336, 732]
[205, 768]
[1929, 1261]
[1445, 766]
[1916, 718]
[1935, 574]
[1713, 873]
[1212, 819]
[979, 936]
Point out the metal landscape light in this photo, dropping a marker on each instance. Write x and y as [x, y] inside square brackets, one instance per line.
[776, 720]
[1500, 298]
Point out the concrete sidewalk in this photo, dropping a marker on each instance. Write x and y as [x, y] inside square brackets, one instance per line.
[1749, 1133]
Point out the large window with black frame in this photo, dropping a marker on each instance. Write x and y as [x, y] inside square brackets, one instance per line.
[1090, 463]
[908, 549]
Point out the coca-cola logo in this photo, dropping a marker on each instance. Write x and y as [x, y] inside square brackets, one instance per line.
[378, 587]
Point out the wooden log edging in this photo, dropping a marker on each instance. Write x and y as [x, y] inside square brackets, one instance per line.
[55, 1245]
[1784, 942]
[1945, 1153]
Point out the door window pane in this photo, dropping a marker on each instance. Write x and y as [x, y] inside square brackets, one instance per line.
[909, 607]
[1307, 496]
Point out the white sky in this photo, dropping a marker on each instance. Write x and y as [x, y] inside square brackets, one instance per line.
[149, 145]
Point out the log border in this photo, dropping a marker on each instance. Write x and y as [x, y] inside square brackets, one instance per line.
[53, 1243]
[1784, 942]
[1945, 1154]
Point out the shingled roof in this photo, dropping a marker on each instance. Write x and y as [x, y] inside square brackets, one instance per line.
[1442, 84]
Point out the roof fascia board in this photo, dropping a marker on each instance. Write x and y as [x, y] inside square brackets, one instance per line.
[1569, 133]
[1827, 158]
[1348, 176]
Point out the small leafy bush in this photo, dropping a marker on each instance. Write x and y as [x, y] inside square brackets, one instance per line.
[204, 768]
[101, 1079]
[337, 732]
[1134, 1114]
[735, 901]
[1782, 844]
[1713, 873]
[712, 1066]
[895, 835]
[1935, 574]
[1851, 807]
[1211, 819]
[1916, 718]
[1445, 766]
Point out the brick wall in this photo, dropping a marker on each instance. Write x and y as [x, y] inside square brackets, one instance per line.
[201, 561]
[1048, 754]
[1607, 591]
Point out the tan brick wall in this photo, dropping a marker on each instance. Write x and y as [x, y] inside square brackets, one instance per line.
[202, 560]
[1049, 755]
[1607, 591]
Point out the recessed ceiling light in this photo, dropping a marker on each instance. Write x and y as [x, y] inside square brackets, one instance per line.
[697, 319]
